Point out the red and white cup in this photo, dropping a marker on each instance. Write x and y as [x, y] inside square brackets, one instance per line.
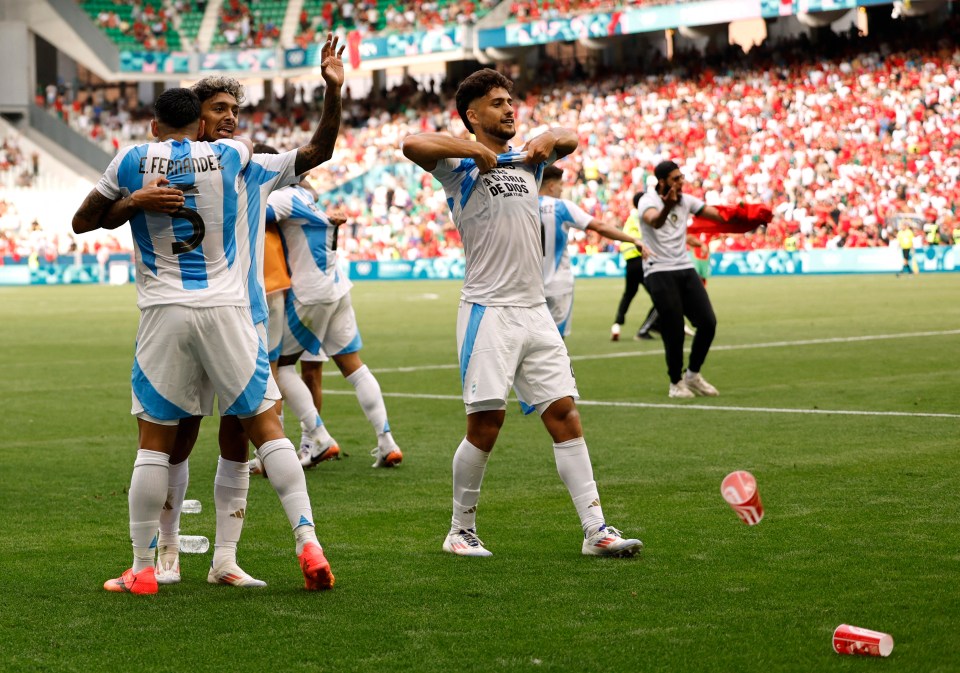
[739, 489]
[854, 640]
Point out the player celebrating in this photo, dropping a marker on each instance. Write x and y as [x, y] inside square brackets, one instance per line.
[320, 314]
[195, 324]
[558, 216]
[505, 335]
[220, 98]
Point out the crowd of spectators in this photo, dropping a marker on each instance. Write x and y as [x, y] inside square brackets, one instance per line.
[243, 25]
[839, 146]
[17, 168]
[538, 10]
[150, 24]
[368, 17]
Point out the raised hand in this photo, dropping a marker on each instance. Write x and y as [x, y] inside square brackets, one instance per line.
[331, 64]
[671, 198]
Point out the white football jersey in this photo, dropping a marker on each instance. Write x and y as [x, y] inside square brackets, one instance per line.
[310, 245]
[498, 217]
[668, 244]
[194, 257]
[558, 216]
[206, 254]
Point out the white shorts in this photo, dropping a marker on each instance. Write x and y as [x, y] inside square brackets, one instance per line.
[276, 303]
[561, 310]
[307, 356]
[329, 326]
[507, 346]
[185, 355]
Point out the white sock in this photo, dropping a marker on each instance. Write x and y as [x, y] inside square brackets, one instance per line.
[286, 476]
[296, 394]
[230, 489]
[320, 432]
[469, 464]
[148, 490]
[573, 464]
[168, 543]
[371, 401]
[690, 375]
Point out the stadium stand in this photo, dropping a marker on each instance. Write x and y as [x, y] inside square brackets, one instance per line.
[385, 16]
[844, 137]
[249, 24]
[150, 24]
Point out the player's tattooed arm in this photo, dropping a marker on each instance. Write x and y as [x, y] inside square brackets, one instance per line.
[99, 212]
[320, 147]
[87, 217]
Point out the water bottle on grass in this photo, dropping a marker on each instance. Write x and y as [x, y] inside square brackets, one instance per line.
[194, 544]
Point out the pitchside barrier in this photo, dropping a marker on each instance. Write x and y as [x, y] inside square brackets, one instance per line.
[118, 270]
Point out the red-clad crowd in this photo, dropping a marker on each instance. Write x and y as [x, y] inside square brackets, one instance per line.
[536, 10]
[838, 145]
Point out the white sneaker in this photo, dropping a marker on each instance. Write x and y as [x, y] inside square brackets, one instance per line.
[230, 573]
[689, 331]
[699, 386]
[608, 541]
[387, 456]
[256, 467]
[680, 390]
[313, 451]
[167, 569]
[615, 332]
[465, 543]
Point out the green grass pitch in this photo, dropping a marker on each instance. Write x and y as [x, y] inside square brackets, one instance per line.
[862, 520]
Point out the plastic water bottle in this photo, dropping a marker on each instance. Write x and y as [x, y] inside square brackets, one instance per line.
[191, 507]
[194, 544]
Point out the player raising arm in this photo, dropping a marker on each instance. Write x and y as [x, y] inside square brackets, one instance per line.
[505, 335]
[195, 328]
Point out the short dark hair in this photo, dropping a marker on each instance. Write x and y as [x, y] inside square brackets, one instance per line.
[208, 87]
[552, 173]
[664, 169]
[478, 85]
[636, 199]
[177, 108]
[260, 148]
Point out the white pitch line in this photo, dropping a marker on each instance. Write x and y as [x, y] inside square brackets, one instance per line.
[659, 351]
[695, 407]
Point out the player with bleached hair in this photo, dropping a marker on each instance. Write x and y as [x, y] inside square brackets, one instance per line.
[242, 222]
[220, 99]
[505, 335]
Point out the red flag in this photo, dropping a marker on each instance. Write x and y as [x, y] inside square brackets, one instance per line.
[737, 219]
[354, 38]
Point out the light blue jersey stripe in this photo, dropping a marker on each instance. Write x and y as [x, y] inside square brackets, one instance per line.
[255, 175]
[316, 228]
[469, 339]
[561, 216]
[193, 264]
[130, 178]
